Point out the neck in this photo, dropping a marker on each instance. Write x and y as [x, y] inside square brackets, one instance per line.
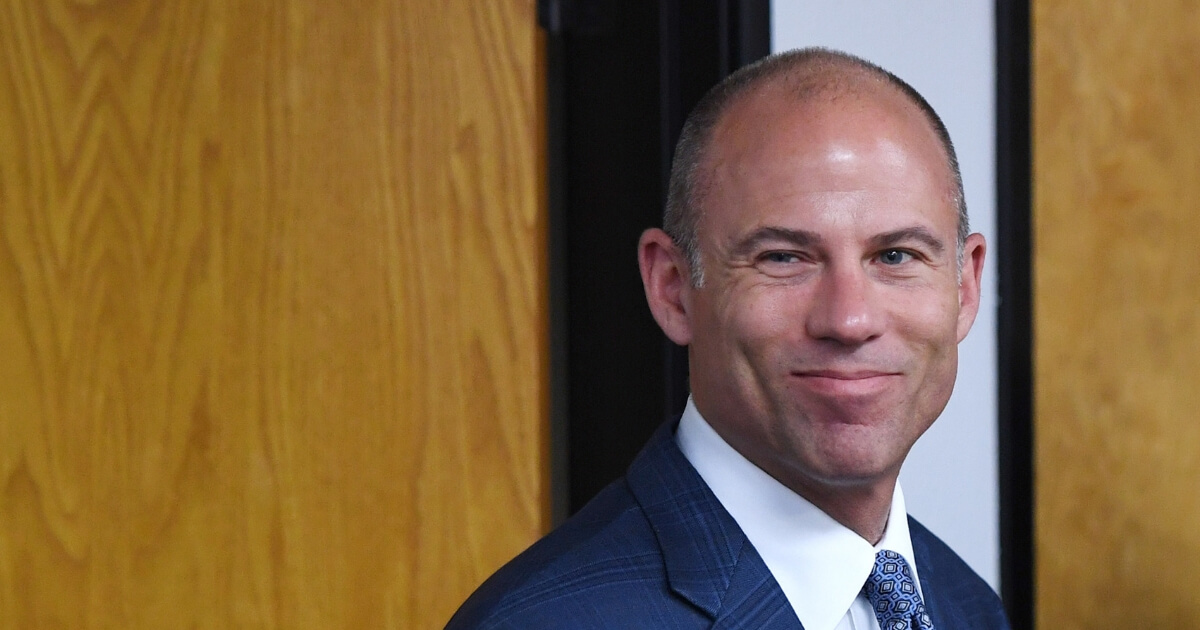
[864, 509]
[861, 505]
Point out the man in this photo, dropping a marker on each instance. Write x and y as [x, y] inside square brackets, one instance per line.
[816, 262]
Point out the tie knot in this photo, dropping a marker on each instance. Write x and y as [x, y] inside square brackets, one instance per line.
[893, 594]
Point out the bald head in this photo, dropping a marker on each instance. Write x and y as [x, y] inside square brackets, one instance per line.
[811, 76]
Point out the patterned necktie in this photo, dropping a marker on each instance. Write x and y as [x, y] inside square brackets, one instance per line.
[893, 594]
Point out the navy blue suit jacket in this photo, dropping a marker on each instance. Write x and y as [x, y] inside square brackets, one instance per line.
[657, 550]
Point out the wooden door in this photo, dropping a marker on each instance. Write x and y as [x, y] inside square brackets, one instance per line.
[272, 310]
[1117, 312]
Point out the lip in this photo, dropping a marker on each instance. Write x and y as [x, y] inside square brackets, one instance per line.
[848, 383]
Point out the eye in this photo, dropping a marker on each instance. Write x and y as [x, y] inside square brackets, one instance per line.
[780, 257]
[895, 257]
[783, 263]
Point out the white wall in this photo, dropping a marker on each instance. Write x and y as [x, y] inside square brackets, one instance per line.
[946, 50]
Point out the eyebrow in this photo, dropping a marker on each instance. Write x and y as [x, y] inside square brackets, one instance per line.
[804, 238]
[915, 233]
[798, 238]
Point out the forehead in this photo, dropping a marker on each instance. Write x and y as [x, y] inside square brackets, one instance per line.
[772, 153]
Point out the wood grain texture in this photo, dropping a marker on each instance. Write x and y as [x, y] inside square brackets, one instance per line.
[272, 310]
[1117, 316]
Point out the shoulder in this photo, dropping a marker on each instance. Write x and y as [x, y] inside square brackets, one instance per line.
[574, 563]
[605, 566]
[952, 589]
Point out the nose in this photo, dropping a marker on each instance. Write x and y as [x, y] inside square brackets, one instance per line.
[845, 308]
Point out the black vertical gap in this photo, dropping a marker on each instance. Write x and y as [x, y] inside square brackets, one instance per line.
[553, 21]
[727, 38]
[622, 76]
[1015, 316]
[613, 382]
[750, 25]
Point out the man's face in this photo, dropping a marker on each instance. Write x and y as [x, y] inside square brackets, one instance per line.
[823, 341]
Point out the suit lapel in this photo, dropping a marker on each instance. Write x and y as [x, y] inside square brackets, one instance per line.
[709, 561]
[754, 599]
[942, 611]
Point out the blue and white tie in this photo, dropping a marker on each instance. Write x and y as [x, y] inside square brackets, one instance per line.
[893, 594]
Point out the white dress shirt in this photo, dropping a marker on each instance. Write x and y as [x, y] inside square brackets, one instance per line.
[820, 564]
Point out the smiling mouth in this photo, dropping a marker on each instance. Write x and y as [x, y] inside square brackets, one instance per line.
[852, 383]
[845, 375]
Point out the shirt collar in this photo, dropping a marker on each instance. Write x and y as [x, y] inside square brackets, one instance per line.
[820, 564]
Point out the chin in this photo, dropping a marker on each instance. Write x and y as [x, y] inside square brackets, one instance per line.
[849, 467]
[855, 478]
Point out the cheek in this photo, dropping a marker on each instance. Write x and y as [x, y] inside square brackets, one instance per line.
[744, 338]
[765, 323]
[929, 328]
[927, 317]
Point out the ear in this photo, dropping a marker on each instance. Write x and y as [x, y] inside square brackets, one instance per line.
[974, 250]
[666, 281]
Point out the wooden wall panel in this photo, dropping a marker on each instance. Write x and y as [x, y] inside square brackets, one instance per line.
[272, 310]
[1117, 315]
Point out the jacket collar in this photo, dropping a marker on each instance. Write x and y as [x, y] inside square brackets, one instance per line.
[945, 596]
[708, 559]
